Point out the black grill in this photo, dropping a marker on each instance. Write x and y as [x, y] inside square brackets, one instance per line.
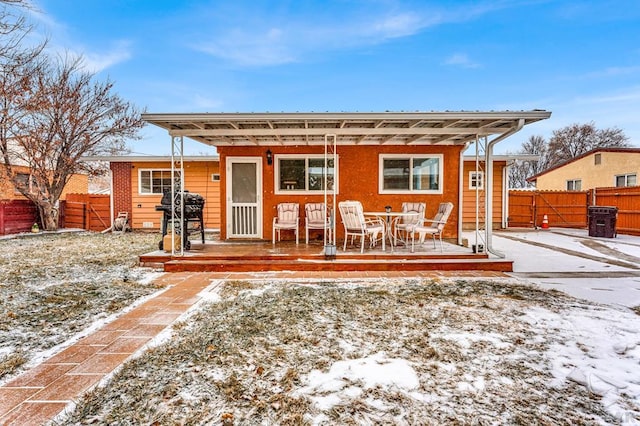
[192, 222]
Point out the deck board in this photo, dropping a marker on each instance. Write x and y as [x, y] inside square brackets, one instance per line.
[261, 256]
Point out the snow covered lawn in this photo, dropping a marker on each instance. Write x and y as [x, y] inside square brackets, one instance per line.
[54, 286]
[381, 352]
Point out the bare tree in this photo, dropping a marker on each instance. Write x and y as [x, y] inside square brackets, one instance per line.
[521, 170]
[576, 139]
[564, 145]
[51, 114]
[68, 115]
[19, 63]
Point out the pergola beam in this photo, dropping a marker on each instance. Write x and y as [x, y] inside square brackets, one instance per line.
[399, 128]
[350, 131]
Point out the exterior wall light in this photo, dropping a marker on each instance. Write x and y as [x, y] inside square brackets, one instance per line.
[269, 157]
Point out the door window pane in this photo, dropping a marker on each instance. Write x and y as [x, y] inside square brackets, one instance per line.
[243, 183]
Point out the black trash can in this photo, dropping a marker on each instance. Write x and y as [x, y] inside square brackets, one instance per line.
[602, 221]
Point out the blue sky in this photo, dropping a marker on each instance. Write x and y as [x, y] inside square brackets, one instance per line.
[578, 59]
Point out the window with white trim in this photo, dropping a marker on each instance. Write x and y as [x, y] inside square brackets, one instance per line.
[303, 173]
[402, 174]
[628, 179]
[156, 181]
[476, 180]
[574, 185]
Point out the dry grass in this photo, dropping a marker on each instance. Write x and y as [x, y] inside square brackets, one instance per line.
[11, 362]
[246, 360]
[636, 310]
[55, 285]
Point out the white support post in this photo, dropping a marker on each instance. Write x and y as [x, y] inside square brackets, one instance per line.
[330, 155]
[177, 214]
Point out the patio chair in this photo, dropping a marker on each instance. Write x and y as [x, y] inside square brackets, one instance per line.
[406, 223]
[316, 217]
[435, 228]
[355, 225]
[287, 220]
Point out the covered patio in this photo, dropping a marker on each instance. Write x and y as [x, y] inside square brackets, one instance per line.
[260, 256]
[380, 159]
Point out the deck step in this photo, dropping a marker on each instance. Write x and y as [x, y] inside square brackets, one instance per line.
[355, 264]
[166, 257]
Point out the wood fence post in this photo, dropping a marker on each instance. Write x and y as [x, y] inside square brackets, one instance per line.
[62, 223]
[534, 199]
[2, 206]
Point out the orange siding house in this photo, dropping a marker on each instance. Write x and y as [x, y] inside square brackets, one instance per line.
[137, 184]
[474, 183]
[358, 179]
[198, 178]
[379, 159]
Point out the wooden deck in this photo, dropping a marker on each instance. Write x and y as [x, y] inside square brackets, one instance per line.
[261, 256]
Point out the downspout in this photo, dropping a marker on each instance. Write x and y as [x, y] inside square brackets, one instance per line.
[111, 202]
[460, 192]
[489, 184]
[505, 195]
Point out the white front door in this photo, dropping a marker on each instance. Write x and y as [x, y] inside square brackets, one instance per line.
[244, 197]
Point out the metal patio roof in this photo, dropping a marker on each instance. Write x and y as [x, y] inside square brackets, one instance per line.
[351, 128]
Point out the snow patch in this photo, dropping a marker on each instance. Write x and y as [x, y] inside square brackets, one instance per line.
[594, 347]
[347, 379]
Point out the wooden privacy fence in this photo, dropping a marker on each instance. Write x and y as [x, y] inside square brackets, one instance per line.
[86, 211]
[627, 200]
[17, 216]
[570, 209]
[566, 209]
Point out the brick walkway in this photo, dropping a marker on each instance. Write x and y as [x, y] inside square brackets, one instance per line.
[43, 392]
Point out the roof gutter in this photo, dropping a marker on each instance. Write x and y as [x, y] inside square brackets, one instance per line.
[488, 227]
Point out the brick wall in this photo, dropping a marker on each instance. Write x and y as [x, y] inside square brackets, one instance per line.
[121, 174]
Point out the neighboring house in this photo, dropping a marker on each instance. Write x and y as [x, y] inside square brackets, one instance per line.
[138, 184]
[601, 167]
[17, 213]
[379, 159]
[78, 184]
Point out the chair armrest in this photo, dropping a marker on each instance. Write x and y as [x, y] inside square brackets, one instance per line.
[434, 221]
[376, 221]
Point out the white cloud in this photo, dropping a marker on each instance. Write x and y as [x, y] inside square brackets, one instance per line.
[205, 103]
[60, 44]
[96, 62]
[614, 72]
[400, 25]
[290, 43]
[461, 60]
[295, 38]
[264, 48]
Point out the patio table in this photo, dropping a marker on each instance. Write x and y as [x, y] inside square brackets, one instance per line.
[390, 219]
